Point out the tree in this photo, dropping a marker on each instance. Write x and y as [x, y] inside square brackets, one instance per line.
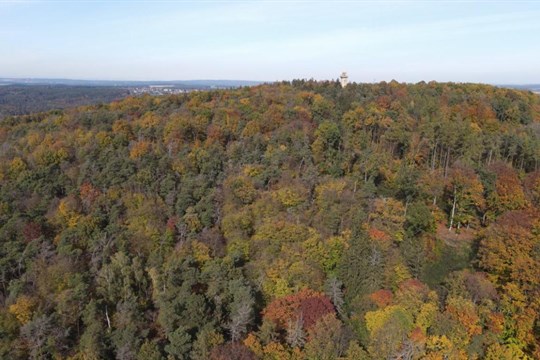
[326, 148]
[327, 339]
[361, 268]
[41, 336]
[508, 193]
[306, 305]
[149, 351]
[232, 351]
[388, 328]
[296, 337]
[179, 343]
[465, 192]
[335, 293]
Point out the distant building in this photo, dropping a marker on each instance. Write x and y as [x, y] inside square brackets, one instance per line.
[344, 79]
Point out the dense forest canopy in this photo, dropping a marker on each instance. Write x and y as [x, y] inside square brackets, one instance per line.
[25, 99]
[286, 221]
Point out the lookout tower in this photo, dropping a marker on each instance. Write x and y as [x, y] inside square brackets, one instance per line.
[344, 79]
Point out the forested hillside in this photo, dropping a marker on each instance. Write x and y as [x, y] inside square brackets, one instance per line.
[287, 221]
[25, 99]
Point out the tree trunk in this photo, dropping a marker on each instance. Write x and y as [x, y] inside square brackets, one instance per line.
[107, 317]
[453, 211]
[446, 161]
[433, 157]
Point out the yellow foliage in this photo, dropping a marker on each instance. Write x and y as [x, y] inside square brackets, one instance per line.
[389, 216]
[464, 311]
[275, 351]
[328, 252]
[252, 343]
[139, 149]
[114, 193]
[48, 153]
[17, 165]
[426, 316]
[23, 309]
[439, 345]
[282, 232]
[242, 188]
[149, 120]
[103, 139]
[192, 220]
[375, 320]
[67, 212]
[290, 196]
[143, 217]
[252, 128]
[498, 351]
[179, 166]
[33, 139]
[238, 246]
[329, 191]
[275, 284]
[201, 252]
[252, 170]
[401, 273]
[121, 127]
[237, 224]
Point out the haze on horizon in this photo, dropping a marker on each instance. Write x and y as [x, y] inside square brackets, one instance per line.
[410, 41]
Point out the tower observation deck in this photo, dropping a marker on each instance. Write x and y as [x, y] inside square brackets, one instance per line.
[344, 79]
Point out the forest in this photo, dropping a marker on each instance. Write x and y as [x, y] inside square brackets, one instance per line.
[23, 99]
[294, 220]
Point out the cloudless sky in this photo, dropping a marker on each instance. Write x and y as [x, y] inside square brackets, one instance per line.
[464, 41]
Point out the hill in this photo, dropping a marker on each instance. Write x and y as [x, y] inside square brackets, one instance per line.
[25, 99]
[185, 84]
[286, 221]
[26, 96]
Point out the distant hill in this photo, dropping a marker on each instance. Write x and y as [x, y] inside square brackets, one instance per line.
[532, 87]
[25, 99]
[187, 84]
[24, 96]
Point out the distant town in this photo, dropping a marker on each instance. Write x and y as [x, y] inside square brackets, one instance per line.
[161, 90]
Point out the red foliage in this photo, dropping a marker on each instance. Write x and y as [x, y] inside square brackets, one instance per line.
[379, 235]
[232, 351]
[214, 134]
[508, 250]
[384, 101]
[31, 231]
[516, 220]
[495, 323]
[508, 188]
[382, 297]
[532, 186]
[413, 289]
[417, 335]
[414, 285]
[309, 304]
[480, 287]
[171, 224]
[88, 194]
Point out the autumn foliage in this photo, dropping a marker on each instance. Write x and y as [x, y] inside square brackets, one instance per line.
[294, 220]
[306, 304]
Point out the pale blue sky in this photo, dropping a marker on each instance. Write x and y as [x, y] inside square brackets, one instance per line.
[477, 41]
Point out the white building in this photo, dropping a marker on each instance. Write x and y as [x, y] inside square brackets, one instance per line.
[344, 79]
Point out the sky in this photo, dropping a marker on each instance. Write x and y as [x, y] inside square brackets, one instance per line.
[494, 42]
